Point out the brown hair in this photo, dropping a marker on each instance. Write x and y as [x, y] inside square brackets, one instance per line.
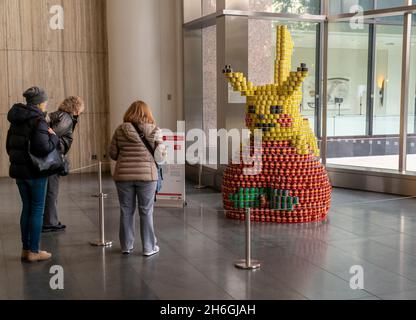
[72, 105]
[139, 113]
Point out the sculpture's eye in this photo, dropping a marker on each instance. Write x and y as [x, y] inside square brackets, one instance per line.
[276, 109]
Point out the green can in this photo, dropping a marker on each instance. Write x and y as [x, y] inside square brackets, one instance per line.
[296, 201]
[290, 203]
[285, 203]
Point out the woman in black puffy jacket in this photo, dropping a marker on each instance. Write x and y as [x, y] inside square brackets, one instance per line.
[29, 129]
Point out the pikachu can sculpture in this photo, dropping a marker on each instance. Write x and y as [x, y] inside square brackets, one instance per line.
[289, 184]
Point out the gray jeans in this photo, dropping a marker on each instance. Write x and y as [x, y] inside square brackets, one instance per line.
[50, 217]
[144, 192]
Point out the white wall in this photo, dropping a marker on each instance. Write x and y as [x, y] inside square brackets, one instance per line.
[145, 58]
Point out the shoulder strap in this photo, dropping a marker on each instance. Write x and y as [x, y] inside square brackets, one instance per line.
[33, 126]
[146, 143]
[32, 129]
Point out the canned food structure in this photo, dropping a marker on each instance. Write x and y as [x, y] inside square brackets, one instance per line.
[286, 183]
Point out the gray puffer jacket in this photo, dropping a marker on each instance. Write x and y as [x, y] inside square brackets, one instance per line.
[134, 161]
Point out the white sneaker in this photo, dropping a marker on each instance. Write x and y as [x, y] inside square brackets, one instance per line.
[152, 253]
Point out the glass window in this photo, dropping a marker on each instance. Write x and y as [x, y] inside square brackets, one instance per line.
[412, 85]
[345, 6]
[347, 80]
[411, 139]
[382, 4]
[347, 95]
[286, 6]
[380, 149]
[389, 43]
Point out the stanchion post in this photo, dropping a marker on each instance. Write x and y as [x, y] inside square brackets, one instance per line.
[248, 264]
[101, 196]
[200, 186]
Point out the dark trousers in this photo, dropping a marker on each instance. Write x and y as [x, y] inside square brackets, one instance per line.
[50, 218]
[33, 194]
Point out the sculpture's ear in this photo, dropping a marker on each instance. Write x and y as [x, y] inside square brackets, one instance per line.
[240, 84]
[303, 68]
[227, 69]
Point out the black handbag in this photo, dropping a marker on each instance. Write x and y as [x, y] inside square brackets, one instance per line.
[53, 163]
[66, 170]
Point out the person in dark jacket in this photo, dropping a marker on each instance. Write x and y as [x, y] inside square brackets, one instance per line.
[63, 123]
[29, 130]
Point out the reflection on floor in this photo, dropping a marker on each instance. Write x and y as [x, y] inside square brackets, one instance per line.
[199, 246]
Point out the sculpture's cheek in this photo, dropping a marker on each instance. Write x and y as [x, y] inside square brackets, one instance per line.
[285, 121]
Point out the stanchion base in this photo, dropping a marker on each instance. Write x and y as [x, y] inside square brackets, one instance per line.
[99, 243]
[242, 264]
[105, 196]
[200, 187]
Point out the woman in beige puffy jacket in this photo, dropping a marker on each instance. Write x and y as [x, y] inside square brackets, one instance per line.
[136, 176]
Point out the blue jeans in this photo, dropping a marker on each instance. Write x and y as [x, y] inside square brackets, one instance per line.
[33, 194]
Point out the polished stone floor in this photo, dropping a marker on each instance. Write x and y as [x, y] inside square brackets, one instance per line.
[199, 246]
